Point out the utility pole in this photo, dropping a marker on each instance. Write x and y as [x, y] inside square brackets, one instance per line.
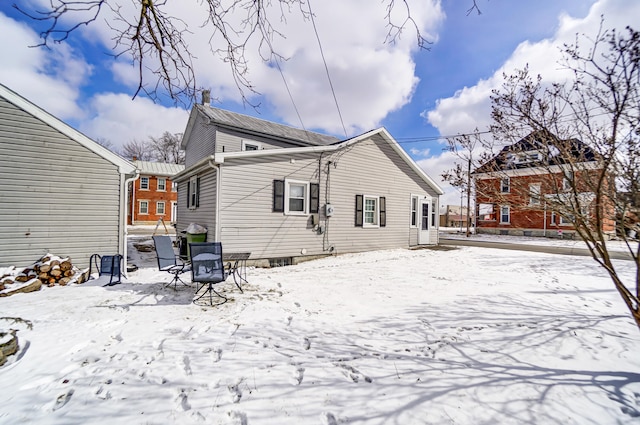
[468, 194]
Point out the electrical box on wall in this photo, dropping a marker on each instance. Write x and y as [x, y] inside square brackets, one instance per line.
[328, 210]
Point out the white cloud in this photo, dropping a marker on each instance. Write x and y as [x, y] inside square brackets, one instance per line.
[470, 107]
[50, 78]
[370, 78]
[119, 119]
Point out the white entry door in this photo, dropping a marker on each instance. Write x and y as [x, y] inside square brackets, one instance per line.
[174, 211]
[424, 229]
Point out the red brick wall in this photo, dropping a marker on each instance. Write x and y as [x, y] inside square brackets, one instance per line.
[152, 196]
[523, 215]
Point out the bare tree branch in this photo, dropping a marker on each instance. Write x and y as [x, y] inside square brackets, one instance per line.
[156, 44]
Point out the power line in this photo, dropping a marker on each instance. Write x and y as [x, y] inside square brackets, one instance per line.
[327, 69]
[289, 91]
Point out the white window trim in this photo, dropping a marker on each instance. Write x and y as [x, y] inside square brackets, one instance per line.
[376, 212]
[148, 183]
[140, 202]
[193, 185]
[508, 212]
[508, 179]
[535, 195]
[287, 185]
[174, 186]
[414, 212]
[158, 184]
[244, 144]
[164, 208]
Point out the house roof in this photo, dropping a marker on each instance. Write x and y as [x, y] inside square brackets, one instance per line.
[257, 126]
[124, 166]
[554, 151]
[220, 158]
[158, 168]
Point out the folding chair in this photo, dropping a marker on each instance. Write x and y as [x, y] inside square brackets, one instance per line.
[207, 269]
[110, 265]
[168, 261]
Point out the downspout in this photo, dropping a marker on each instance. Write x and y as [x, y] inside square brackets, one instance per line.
[123, 214]
[544, 232]
[217, 213]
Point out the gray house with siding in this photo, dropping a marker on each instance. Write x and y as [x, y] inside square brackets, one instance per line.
[63, 193]
[285, 194]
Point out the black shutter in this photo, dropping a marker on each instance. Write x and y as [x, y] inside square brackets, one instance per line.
[197, 192]
[314, 198]
[188, 193]
[383, 211]
[278, 196]
[359, 210]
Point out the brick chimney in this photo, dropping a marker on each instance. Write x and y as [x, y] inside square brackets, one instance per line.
[206, 97]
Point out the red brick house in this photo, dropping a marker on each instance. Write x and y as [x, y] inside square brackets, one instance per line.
[521, 190]
[153, 196]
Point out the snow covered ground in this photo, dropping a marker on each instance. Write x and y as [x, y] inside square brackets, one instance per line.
[433, 336]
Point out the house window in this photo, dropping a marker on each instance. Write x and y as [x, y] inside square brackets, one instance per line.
[174, 186]
[505, 214]
[505, 186]
[414, 211]
[251, 146]
[296, 194]
[566, 219]
[294, 197]
[566, 181]
[160, 208]
[144, 183]
[162, 184]
[143, 207]
[433, 213]
[486, 212]
[371, 211]
[534, 194]
[193, 193]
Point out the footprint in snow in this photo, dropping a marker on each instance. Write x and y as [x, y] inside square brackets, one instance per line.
[235, 392]
[186, 364]
[183, 402]
[62, 400]
[297, 376]
[237, 418]
[328, 418]
[216, 353]
[353, 374]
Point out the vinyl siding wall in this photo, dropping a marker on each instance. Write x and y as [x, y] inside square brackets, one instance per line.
[231, 141]
[202, 141]
[247, 221]
[370, 167]
[373, 168]
[57, 196]
[205, 214]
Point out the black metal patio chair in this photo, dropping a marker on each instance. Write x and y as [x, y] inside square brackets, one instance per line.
[207, 270]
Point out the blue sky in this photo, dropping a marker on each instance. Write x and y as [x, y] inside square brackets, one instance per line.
[417, 95]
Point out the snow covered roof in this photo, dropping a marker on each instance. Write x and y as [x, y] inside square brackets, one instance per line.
[158, 168]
